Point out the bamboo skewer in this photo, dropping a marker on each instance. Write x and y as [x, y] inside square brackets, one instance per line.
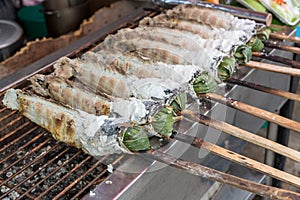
[282, 93]
[290, 62]
[212, 174]
[273, 68]
[285, 37]
[242, 160]
[282, 47]
[243, 134]
[263, 114]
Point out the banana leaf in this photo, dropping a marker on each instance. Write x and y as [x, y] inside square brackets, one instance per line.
[204, 83]
[163, 122]
[136, 139]
[264, 34]
[256, 44]
[179, 103]
[226, 68]
[243, 54]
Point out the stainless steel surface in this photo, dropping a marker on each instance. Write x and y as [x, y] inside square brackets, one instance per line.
[10, 38]
[265, 18]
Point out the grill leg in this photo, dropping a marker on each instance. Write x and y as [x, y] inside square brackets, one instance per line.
[283, 133]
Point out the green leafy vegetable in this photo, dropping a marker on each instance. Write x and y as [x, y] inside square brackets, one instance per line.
[226, 68]
[204, 83]
[163, 122]
[256, 44]
[243, 54]
[264, 34]
[136, 139]
[179, 102]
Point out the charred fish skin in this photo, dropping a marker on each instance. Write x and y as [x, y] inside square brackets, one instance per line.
[96, 135]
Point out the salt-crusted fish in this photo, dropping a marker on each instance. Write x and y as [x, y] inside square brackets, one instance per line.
[203, 30]
[75, 95]
[180, 38]
[211, 17]
[190, 76]
[114, 84]
[96, 135]
[207, 60]
[141, 112]
[132, 65]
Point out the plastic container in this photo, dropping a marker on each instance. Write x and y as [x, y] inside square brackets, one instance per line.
[287, 11]
[33, 21]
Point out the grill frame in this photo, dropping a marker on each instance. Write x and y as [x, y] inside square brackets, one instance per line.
[128, 183]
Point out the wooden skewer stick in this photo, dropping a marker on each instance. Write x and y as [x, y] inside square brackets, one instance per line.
[273, 68]
[243, 134]
[263, 114]
[282, 93]
[285, 37]
[290, 62]
[212, 174]
[240, 159]
[282, 47]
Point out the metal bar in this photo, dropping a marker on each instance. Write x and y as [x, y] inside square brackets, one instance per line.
[26, 154]
[265, 18]
[2, 109]
[95, 179]
[49, 175]
[14, 132]
[64, 177]
[11, 123]
[84, 175]
[19, 191]
[26, 166]
[39, 169]
[77, 180]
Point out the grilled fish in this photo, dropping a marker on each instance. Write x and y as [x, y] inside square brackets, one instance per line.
[105, 82]
[96, 135]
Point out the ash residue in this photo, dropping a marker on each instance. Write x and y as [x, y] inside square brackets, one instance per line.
[110, 128]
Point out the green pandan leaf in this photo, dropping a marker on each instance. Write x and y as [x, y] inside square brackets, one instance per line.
[243, 54]
[226, 68]
[256, 44]
[205, 83]
[264, 34]
[179, 103]
[163, 122]
[136, 139]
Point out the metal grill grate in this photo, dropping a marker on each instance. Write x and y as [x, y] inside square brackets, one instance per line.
[35, 166]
